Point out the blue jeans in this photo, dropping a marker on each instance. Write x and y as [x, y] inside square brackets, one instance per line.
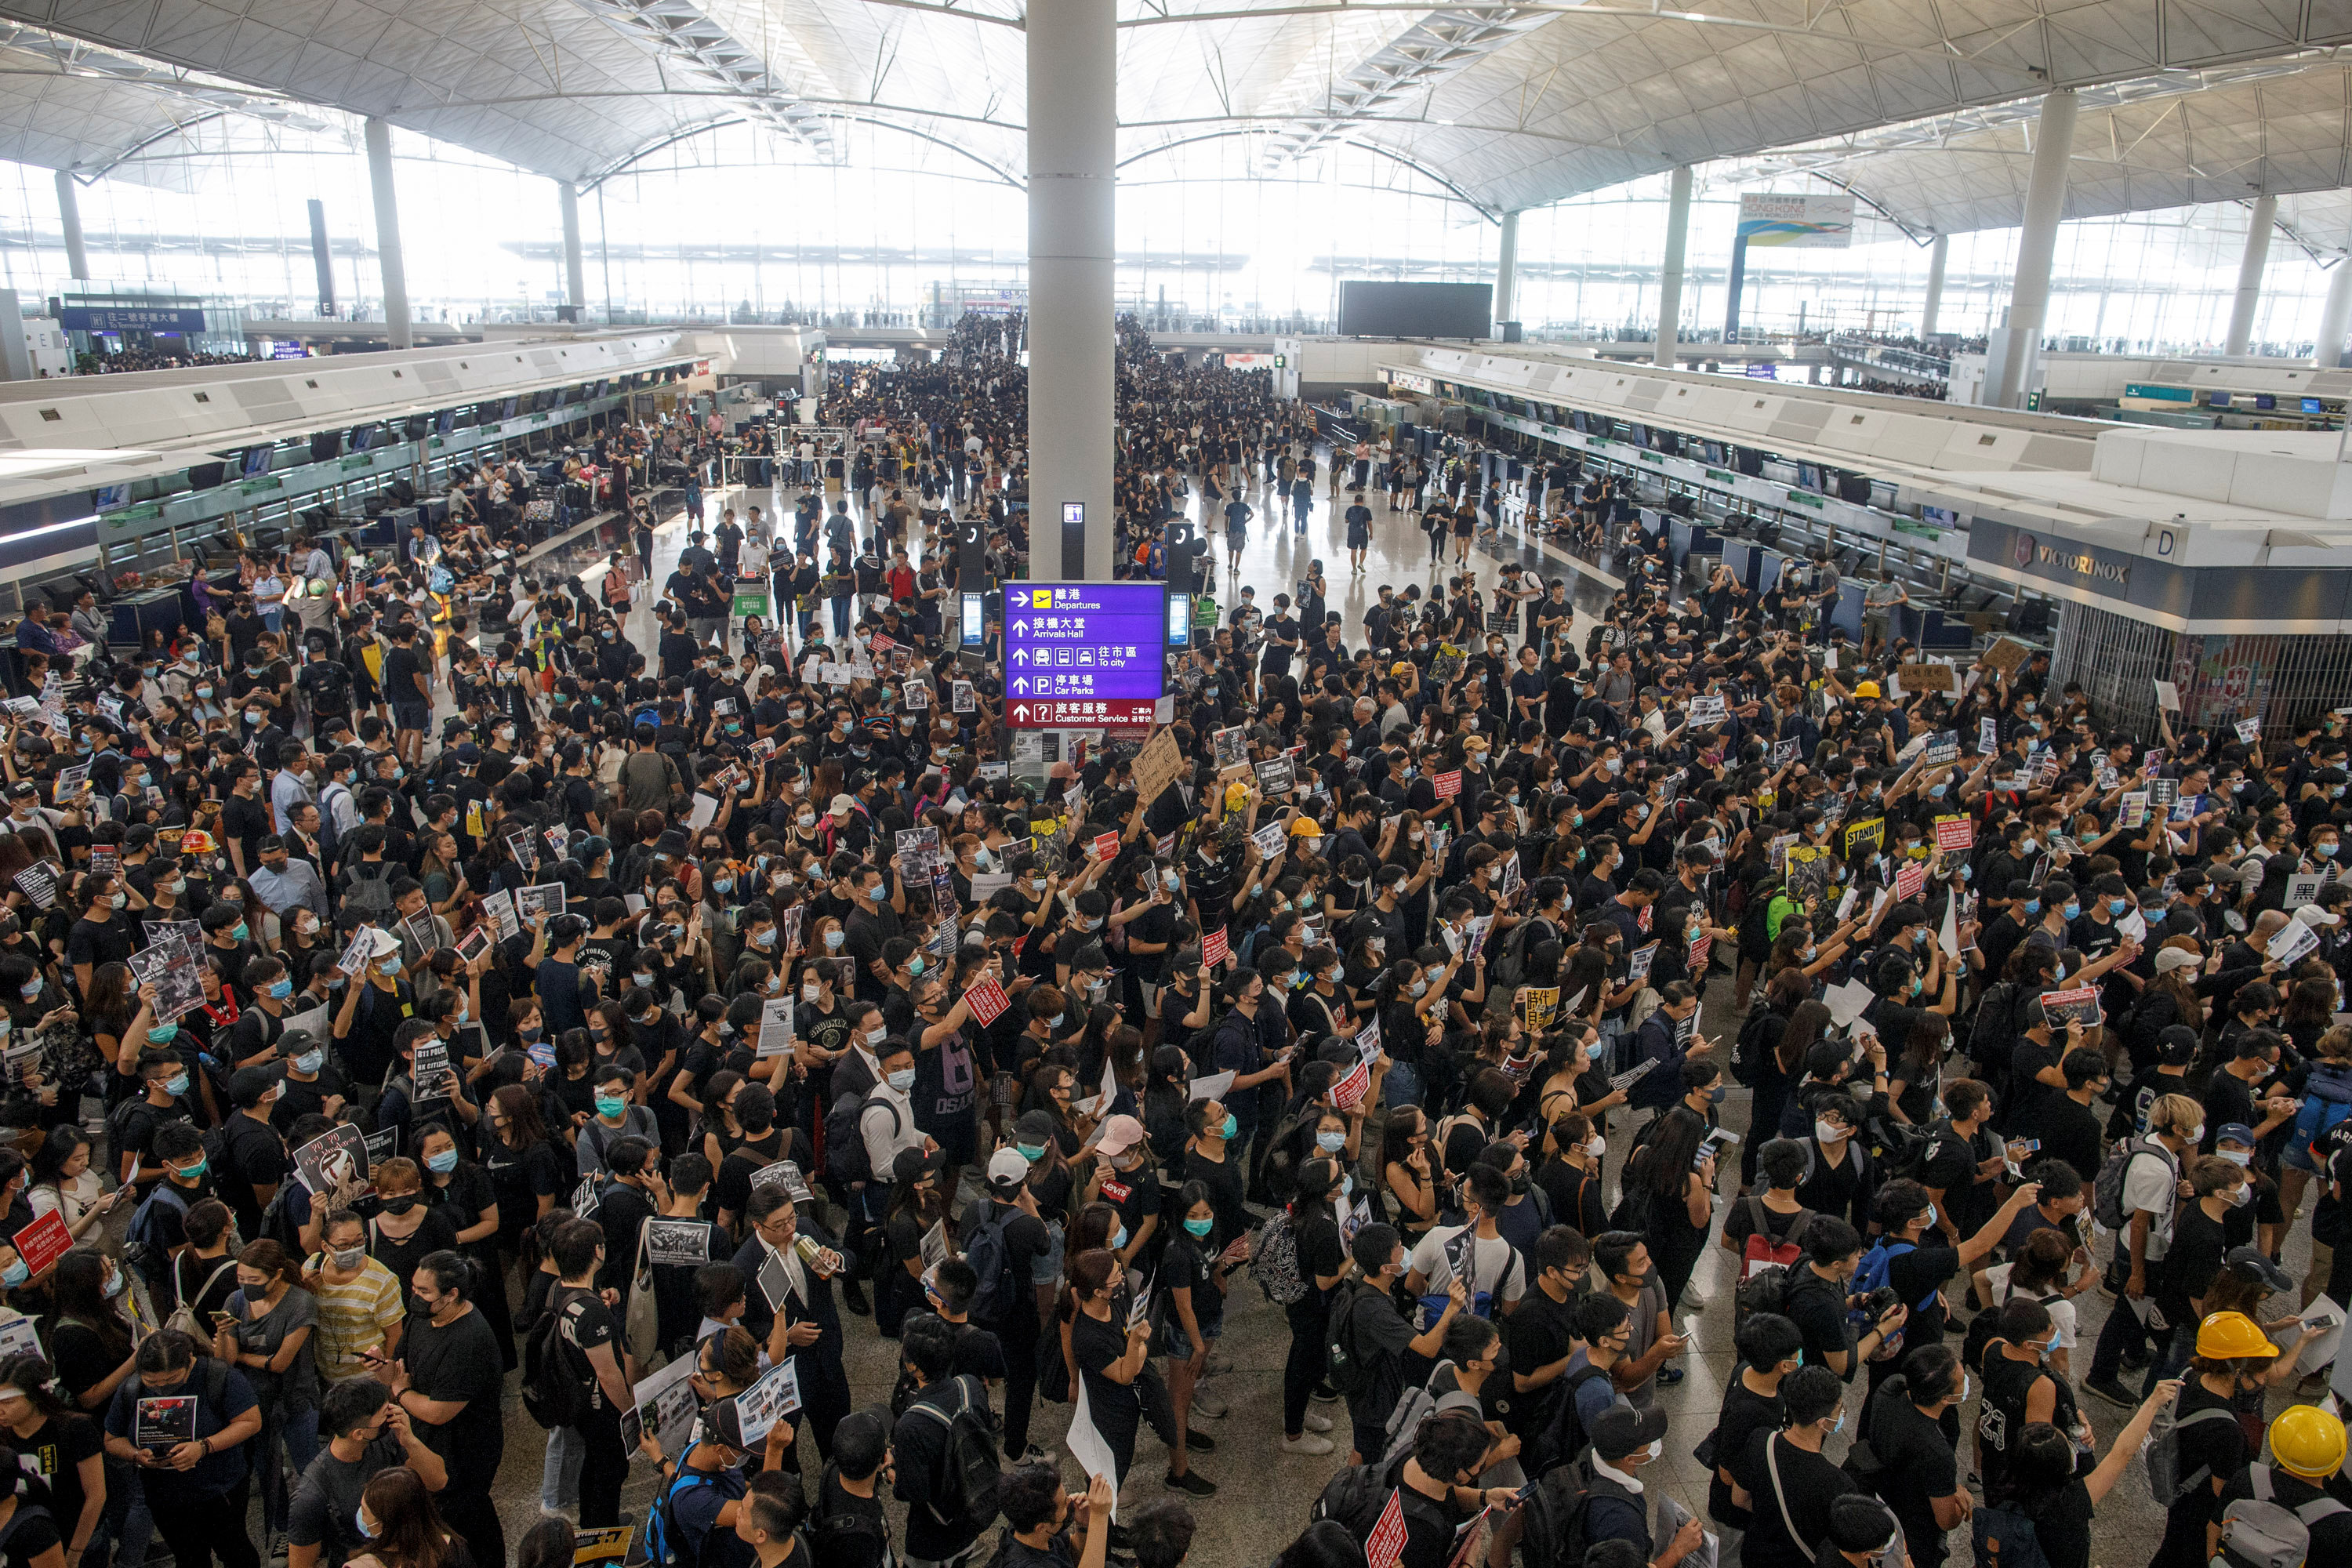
[1402, 1087]
[299, 1431]
[840, 616]
[558, 1478]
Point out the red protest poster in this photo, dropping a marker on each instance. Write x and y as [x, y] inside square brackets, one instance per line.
[987, 1001]
[43, 1242]
[1955, 833]
[1106, 846]
[1448, 785]
[1910, 879]
[1384, 1548]
[1212, 948]
[1697, 961]
[1348, 1092]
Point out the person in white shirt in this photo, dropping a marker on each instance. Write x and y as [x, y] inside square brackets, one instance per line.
[888, 1122]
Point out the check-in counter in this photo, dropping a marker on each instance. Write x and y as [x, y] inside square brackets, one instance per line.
[130, 616]
[1745, 558]
[1847, 611]
[1932, 628]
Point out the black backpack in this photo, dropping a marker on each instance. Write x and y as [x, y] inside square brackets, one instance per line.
[992, 1261]
[968, 1472]
[1748, 1050]
[1555, 1511]
[1564, 1437]
[845, 1141]
[554, 1389]
[1351, 1372]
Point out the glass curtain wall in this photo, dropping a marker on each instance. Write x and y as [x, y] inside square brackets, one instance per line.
[732, 225]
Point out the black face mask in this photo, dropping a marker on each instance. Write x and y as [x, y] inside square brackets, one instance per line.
[399, 1205]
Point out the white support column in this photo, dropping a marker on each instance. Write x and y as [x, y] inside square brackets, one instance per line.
[2250, 274]
[2335, 316]
[2019, 341]
[387, 235]
[70, 215]
[1670, 275]
[1937, 254]
[1507, 267]
[575, 275]
[1073, 133]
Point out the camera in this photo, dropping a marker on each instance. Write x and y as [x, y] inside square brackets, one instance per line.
[1882, 1300]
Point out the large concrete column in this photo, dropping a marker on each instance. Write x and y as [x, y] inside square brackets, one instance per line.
[575, 274]
[387, 234]
[1670, 274]
[2019, 341]
[70, 215]
[2250, 274]
[1507, 267]
[1937, 254]
[1073, 133]
[2335, 316]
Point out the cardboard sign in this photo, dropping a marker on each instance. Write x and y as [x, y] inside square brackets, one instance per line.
[1157, 766]
[2004, 656]
[1924, 677]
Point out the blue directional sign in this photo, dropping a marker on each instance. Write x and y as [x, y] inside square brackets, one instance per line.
[1085, 654]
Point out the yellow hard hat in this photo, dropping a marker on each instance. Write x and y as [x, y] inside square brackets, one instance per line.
[1306, 827]
[2233, 1336]
[2307, 1441]
[1867, 689]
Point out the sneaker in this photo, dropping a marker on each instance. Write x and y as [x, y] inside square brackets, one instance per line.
[1324, 1394]
[1316, 1422]
[2114, 1393]
[1208, 1405]
[1306, 1442]
[1199, 1442]
[1190, 1482]
[1217, 1365]
[1669, 1376]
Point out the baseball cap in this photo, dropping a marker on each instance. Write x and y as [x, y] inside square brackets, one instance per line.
[1622, 1428]
[843, 806]
[2171, 958]
[2234, 1132]
[914, 1164]
[2252, 1263]
[2313, 915]
[1119, 1134]
[294, 1042]
[1006, 1168]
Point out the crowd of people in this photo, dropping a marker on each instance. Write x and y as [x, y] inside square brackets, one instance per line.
[474, 995]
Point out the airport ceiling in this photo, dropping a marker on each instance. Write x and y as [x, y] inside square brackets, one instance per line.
[1924, 108]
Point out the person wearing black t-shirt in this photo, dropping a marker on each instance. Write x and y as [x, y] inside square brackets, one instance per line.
[449, 1381]
[1913, 1428]
[2199, 1240]
[852, 1528]
[1540, 1333]
[591, 1348]
[1771, 1349]
[1791, 1483]
[1322, 1263]
[2213, 1446]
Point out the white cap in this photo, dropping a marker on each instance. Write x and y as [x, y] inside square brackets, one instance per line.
[1006, 1168]
[2313, 915]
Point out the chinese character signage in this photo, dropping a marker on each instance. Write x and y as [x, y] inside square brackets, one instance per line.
[1084, 655]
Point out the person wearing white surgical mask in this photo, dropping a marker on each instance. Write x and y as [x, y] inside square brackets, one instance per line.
[1626, 1441]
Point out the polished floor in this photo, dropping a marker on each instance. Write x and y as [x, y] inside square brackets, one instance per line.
[1265, 1495]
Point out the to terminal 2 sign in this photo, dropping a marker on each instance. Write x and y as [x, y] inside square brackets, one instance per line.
[1085, 654]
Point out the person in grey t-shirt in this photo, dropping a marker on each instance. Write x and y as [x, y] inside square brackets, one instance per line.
[365, 1433]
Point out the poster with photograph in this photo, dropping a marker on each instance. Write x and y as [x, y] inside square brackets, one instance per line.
[334, 1167]
[540, 898]
[775, 1397]
[1276, 776]
[786, 1174]
[775, 1028]
[2078, 1004]
[669, 1396]
[171, 968]
[190, 931]
[678, 1243]
[163, 1422]
[1231, 749]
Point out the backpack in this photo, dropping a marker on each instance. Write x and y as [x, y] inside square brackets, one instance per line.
[1349, 1372]
[1564, 1437]
[847, 1537]
[1768, 1268]
[2107, 1191]
[1875, 1264]
[1556, 1509]
[663, 1539]
[144, 1246]
[968, 1473]
[554, 1390]
[1510, 967]
[1748, 1050]
[183, 1317]
[1417, 1405]
[2262, 1533]
[1274, 1261]
[846, 1159]
[2004, 1537]
[1277, 1172]
[2326, 1100]
[367, 900]
[2165, 1481]
[992, 1260]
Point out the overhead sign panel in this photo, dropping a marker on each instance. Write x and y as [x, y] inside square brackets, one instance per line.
[1769, 218]
[1085, 654]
